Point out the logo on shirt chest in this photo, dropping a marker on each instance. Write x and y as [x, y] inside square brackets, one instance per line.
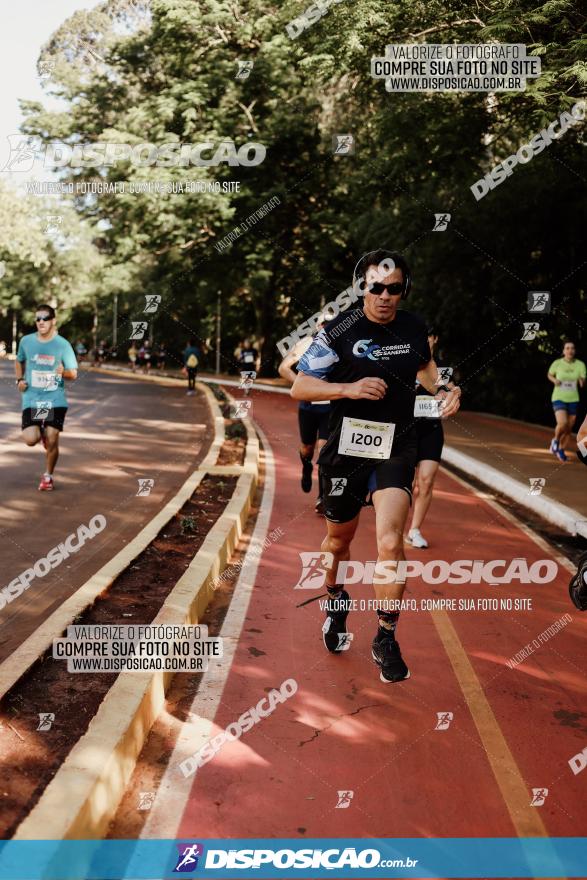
[44, 359]
[375, 352]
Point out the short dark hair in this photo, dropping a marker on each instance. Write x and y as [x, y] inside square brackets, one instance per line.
[374, 258]
[47, 308]
[432, 331]
[192, 342]
[568, 342]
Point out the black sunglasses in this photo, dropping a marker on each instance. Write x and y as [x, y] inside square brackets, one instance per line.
[392, 289]
[43, 318]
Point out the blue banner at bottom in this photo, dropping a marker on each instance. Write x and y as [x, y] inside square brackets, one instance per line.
[285, 858]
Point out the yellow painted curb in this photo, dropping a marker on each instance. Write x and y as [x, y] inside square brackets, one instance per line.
[22, 658]
[83, 796]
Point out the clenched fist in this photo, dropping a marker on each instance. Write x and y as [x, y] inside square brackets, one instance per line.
[366, 389]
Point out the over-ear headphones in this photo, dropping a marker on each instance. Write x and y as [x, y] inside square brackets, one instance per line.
[398, 260]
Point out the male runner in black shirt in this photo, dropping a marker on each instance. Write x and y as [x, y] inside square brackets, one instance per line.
[366, 363]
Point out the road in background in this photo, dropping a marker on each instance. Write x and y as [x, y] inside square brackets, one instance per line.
[117, 431]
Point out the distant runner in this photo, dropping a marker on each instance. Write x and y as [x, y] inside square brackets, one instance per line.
[248, 356]
[161, 356]
[145, 356]
[44, 360]
[430, 437]
[312, 417]
[154, 362]
[366, 362]
[80, 350]
[567, 374]
[132, 356]
[100, 353]
[191, 359]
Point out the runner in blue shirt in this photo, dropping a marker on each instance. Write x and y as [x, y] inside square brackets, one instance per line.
[44, 360]
[312, 417]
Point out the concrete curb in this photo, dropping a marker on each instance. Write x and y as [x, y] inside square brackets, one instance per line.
[165, 379]
[141, 377]
[560, 515]
[83, 796]
[15, 666]
[234, 383]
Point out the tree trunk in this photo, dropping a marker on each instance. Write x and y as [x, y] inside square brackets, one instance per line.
[266, 321]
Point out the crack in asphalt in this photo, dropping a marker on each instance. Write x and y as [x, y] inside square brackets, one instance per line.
[317, 733]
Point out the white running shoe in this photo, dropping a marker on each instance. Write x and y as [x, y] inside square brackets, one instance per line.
[417, 539]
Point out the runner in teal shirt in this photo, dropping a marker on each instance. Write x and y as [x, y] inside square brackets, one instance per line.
[41, 359]
[44, 360]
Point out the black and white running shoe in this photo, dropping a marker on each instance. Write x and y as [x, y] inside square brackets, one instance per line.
[387, 655]
[334, 633]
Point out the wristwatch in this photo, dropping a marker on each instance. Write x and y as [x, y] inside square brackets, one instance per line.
[22, 379]
[448, 390]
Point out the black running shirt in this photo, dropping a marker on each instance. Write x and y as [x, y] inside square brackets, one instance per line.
[351, 348]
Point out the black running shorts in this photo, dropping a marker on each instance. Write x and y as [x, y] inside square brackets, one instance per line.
[54, 418]
[430, 436]
[345, 490]
[313, 422]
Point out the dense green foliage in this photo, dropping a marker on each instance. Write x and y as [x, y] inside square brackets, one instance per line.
[166, 71]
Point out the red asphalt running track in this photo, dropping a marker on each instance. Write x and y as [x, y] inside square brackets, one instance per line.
[512, 730]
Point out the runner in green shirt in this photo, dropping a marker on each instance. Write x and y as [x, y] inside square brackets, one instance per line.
[567, 374]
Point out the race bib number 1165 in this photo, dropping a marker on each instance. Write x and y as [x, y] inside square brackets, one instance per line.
[426, 407]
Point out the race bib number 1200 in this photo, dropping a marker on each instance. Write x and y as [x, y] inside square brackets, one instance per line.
[366, 439]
